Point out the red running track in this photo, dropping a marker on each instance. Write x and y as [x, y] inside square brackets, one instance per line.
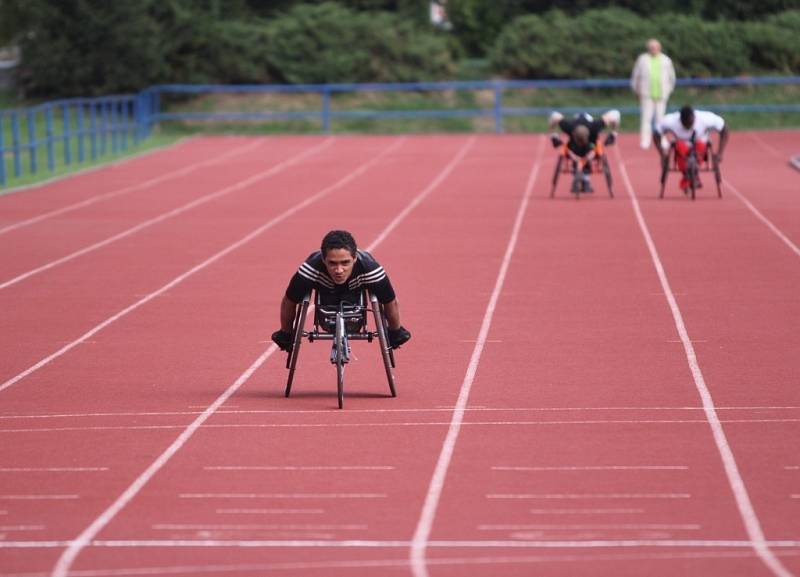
[550, 417]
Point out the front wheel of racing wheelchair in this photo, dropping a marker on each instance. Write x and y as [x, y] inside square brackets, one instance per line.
[340, 324]
[694, 167]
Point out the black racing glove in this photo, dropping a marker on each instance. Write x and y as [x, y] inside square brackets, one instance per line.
[398, 337]
[283, 340]
[611, 138]
[555, 140]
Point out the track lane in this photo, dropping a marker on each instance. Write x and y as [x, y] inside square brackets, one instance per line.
[461, 193]
[56, 241]
[111, 385]
[36, 200]
[82, 302]
[582, 323]
[735, 285]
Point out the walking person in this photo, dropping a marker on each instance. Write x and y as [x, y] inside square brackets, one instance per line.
[652, 79]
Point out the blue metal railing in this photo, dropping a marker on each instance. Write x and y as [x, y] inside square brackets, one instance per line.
[325, 114]
[65, 132]
[84, 128]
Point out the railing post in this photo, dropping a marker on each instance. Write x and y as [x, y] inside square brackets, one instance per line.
[32, 142]
[498, 107]
[2, 154]
[93, 129]
[16, 144]
[103, 126]
[326, 109]
[51, 145]
[114, 133]
[67, 133]
[81, 155]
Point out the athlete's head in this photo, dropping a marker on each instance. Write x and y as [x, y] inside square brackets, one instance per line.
[580, 135]
[339, 252]
[687, 117]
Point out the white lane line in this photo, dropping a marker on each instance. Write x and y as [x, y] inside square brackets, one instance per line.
[795, 495]
[747, 512]
[66, 559]
[269, 511]
[590, 526]
[379, 411]
[347, 543]
[255, 526]
[422, 533]
[598, 468]
[21, 527]
[299, 468]
[38, 497]
[282, 496]
[760, 216]
[52, 469]
[769, 148]
[209, 261]
[608, 511]
[125, 190]
[249, 181]
[260, 568]
[397, 424]
[792, 467]
[559, 496]
[360, 543]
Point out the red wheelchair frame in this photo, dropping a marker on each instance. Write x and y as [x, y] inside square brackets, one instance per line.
[694, 166]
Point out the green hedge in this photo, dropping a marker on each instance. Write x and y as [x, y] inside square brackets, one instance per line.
[331, 43]
[605, 43]
[90, 47]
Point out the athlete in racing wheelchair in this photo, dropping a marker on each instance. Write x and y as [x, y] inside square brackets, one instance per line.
[683, 139]
[346, 284]
[583, 153]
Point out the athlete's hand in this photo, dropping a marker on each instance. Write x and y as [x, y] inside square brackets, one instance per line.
[611, 138]
[398, 337]
[555, 140]
[283, 340]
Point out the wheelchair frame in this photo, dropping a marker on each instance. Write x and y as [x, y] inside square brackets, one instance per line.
[338, 318]
[569, 163]
[669, 163]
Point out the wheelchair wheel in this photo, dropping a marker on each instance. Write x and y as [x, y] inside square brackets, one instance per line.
[340, 383]
[556, 175]
[692, 175]
[386, 353]
[607, 174]
[291, 360]
[340, 351]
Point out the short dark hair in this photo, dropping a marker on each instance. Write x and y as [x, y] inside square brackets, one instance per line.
[687, 114]
[339, 239]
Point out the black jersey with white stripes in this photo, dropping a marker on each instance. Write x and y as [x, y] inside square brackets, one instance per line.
[367, 274]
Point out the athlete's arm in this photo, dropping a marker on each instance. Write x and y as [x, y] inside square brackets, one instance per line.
[288, 309]
[724, 134]
[392, 311]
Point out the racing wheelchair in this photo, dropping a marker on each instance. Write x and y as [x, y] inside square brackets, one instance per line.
[694, 166]
[341, 323]
[570, 163]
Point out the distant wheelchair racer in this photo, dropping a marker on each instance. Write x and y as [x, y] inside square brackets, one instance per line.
[583, 148]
